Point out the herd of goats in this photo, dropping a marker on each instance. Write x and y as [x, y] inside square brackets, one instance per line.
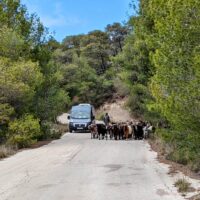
[121, 131]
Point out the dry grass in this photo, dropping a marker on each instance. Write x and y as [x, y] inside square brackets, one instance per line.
[6, 151]
[183, 185]
[63, 128]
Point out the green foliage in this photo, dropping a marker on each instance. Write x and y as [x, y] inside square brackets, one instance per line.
[27, 126]
[82, 82]
[78, 70]
[52, 103]
[184, 148]
[135, 69]
[6, 111]
[18, 82]
[12, 45]
[95, 49]
[15, 16]
[52, 131]
[137, 100]
[117, 34]
[86, 64]
[24, 131]
[73, 44]
[175, 83]
[159, 65]
[29, 80]
[21, 141]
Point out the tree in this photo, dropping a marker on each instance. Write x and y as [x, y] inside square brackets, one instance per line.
[50, 99]
[12, 45]
[73, 42]
[175, 83]
[165, 45]
[133, 63]
[117, 34]
[18, 82]
[14, 15]
[29, 81]
[95, 47]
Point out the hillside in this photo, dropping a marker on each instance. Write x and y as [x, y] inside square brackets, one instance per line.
[117, 111]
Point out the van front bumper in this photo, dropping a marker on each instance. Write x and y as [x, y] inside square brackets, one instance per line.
[79, 126]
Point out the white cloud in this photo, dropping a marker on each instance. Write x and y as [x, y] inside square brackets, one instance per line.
[60, 20]
[57, 17]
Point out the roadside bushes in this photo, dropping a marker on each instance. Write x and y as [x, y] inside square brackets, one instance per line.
[24, 132]
[183, 185]
[27, 130]
[30, 83]
[52, 131]
[180, 147]
[6, 150]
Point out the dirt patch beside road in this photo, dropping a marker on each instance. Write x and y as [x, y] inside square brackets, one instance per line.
[116, 110]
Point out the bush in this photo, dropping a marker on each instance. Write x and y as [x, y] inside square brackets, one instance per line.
[3, 134]
[137, 100]
[195, 165]
[182, 148]
[52, 131]
[179, 156]
[21, 141]
[55, 134]
[6, 151]
[24, 132]
[183, 185]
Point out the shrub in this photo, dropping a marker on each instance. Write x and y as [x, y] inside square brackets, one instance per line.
[3, 133]
[52, 131]
[55, 134]
[183, 185]
[195, 165]
[184, 148]
[21, 141]
[6, 151]
[45, 128]
[137, 100]
[24, 131]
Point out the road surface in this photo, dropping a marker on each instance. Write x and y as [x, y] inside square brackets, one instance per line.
[78, 168]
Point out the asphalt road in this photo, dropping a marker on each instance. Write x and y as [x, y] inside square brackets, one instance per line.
[78, 168]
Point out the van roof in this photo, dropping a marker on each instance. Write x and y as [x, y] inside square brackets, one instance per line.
[81, 108]
[84, 104]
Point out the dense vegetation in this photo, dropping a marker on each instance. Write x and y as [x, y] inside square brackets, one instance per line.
[160, 68]
[154, 59]
[30, 91]
[41, 78]
[86, 63]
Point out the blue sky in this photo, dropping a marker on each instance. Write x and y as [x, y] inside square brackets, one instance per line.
[71, 17]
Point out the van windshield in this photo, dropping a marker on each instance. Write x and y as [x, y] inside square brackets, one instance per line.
[80, 115]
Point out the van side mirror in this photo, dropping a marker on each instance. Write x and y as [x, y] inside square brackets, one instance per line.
[68, 117]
